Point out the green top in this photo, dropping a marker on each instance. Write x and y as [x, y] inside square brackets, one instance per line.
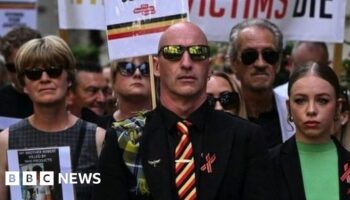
[319, 166]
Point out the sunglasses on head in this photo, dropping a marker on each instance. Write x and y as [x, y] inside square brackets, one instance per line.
[175, 52]
[228, 100]
[10, 67]
[249, 56]
[128, 69]
[36, 73]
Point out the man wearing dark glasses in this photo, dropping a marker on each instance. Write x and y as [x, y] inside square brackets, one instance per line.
[255, 54]
[187, 150]
[13, 102]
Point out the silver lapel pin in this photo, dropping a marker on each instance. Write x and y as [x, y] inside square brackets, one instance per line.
[154, 162]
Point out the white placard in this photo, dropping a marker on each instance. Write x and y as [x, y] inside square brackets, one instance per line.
[53, 159]
[81, 14]
[310, 20]
[134, 27]
[16, 13]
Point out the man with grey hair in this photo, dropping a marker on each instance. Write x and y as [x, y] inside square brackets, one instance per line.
[255, 53]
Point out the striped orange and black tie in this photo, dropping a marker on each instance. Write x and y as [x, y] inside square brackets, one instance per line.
[184, 164]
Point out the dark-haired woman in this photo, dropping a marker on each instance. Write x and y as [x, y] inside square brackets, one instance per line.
[312, 165]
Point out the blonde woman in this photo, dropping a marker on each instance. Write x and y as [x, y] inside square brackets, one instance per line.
[224, 93]
[45, 69]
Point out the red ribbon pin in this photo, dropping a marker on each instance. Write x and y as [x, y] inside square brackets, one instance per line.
[346, 175]
[209, 161]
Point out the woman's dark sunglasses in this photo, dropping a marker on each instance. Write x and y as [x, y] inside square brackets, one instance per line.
[128, 69]
[249, 56]
[10, 67]
[228, 100]
[36, 73]
[175, 52]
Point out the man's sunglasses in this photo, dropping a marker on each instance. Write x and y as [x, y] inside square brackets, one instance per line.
[175, 52]
[249, 56]
[36, 73]
[228, 100]
[128, 69]
[10, 67]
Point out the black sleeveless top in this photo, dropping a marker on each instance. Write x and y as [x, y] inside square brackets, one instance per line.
[23, 135]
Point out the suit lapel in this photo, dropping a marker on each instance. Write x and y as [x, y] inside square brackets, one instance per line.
[292, 170]
[343, 170]
[155, 157]
[210, 179]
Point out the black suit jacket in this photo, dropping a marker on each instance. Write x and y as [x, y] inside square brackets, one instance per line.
[288, 176]
[240, 170]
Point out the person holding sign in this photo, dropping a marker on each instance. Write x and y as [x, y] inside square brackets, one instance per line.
[312, 165]
[184, 149]
[45, 70]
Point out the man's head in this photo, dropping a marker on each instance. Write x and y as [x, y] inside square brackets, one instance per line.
[89, 89]
[255, 53]
[10, 44]
[183, 64]
[304, 52]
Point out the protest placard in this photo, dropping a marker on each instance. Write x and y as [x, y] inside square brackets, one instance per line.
[81, 14]
[310, 20]
[34, 172]
[17, 13]
[134, 27]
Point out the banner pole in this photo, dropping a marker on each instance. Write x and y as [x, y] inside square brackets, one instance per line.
[64, 35]
[337, 58]
[152, 80]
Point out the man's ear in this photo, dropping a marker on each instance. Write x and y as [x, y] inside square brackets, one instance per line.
[25, 90]
[290, 64]
[344, 117]
[156, 66]
[211, 61]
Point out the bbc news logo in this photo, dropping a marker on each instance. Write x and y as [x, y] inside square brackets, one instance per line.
[47, 178]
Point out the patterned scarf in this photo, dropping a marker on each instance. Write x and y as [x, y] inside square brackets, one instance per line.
[129, 132]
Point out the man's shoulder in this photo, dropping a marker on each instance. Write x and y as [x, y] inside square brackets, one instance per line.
[7, 91]
[231, 121]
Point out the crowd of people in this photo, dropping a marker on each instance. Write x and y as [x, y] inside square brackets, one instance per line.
[214, 133]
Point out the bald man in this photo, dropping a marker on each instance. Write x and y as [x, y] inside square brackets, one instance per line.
[187, 149]
[304, 52]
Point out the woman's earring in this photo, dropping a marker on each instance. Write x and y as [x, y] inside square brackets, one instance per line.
[290, 118]
[336, 117]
